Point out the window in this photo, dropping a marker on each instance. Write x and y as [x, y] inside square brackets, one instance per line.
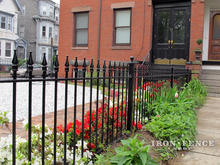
[122, 27]
[216, 26]
[44, 31]
[50, 32]
[8, 49]
[3, 22]
[0, 48]
[81, 28]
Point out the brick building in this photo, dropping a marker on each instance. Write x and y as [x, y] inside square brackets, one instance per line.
[163, 31]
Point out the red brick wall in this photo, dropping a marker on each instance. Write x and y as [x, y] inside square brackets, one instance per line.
[140, 35]
[197, 26]
[141, 31]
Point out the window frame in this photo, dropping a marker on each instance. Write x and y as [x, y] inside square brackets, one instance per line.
[44, 32]
[75, 30]
[3, 16]
[114, 26]
[7, 49]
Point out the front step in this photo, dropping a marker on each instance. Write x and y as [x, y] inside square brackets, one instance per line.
[213, 83]
[211, 78]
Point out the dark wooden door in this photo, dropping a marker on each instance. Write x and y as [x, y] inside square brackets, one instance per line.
[171, 33]
[214, 41]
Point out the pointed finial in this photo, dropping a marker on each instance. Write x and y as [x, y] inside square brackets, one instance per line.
[84, 62]
[15, 58]
[114, 65]
[98, 66]
[44, 62]
[91, 66]
[76, 63]
[67, 64]
[84, 65]
[56, 63]
[104, 65]
[30, 59]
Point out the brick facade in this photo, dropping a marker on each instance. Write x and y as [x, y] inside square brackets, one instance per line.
[141, 30]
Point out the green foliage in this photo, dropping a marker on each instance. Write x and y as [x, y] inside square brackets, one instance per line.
[3, 118]
[166, 152]
[133, 151]
[21, 62]
[199, 41]
[174, 116]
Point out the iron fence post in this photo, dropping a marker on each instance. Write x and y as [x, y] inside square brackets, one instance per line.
[172, 77]
[130, 93]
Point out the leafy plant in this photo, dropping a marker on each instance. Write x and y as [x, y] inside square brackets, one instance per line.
[3, 118]
[199, 41]
[133, 151]
[173, 115]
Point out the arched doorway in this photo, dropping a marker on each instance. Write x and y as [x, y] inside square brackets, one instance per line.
[214, 37]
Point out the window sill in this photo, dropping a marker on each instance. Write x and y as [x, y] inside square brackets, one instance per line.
[121, 47]
[80, 48]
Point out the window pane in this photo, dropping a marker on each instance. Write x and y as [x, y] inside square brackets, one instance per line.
[8, 50]
[123, 18]
[179, 27]
[82, 37]
[122, 35]
[3, 22]
[163, 26]
[82, 20]
[216, 28]
[8, 46]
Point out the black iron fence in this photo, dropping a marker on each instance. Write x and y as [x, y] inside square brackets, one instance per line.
[120, 89]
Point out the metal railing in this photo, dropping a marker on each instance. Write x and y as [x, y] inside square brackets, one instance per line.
[122, 85]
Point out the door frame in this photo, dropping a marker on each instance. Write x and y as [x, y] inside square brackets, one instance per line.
[211, 22]
[158, 5]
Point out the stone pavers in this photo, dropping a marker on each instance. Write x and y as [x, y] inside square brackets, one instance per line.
[208, 127]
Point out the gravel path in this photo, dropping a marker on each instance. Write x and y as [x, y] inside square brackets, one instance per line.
[22, 98]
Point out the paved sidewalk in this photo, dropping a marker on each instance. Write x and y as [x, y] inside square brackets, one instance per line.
[208, 128]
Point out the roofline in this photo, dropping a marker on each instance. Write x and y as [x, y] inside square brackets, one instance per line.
[18, 5]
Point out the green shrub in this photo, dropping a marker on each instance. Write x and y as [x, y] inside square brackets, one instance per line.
[133, 151]
[174, 115]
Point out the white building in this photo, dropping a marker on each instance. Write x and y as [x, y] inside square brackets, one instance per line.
[47, 29]
[9, 10]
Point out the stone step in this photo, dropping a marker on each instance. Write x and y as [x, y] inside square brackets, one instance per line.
[210, 77]
[215, 90]
[209, 71]
[212, 83]
[213, 95]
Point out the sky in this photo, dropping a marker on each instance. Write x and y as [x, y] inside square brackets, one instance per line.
[57, 1]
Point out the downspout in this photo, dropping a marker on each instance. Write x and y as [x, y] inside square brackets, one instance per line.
[99, 29]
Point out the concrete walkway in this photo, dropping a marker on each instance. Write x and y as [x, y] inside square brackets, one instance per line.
[208, 128]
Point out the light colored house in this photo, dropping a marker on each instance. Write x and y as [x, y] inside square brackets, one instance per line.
[9, 10]
[39, 26]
